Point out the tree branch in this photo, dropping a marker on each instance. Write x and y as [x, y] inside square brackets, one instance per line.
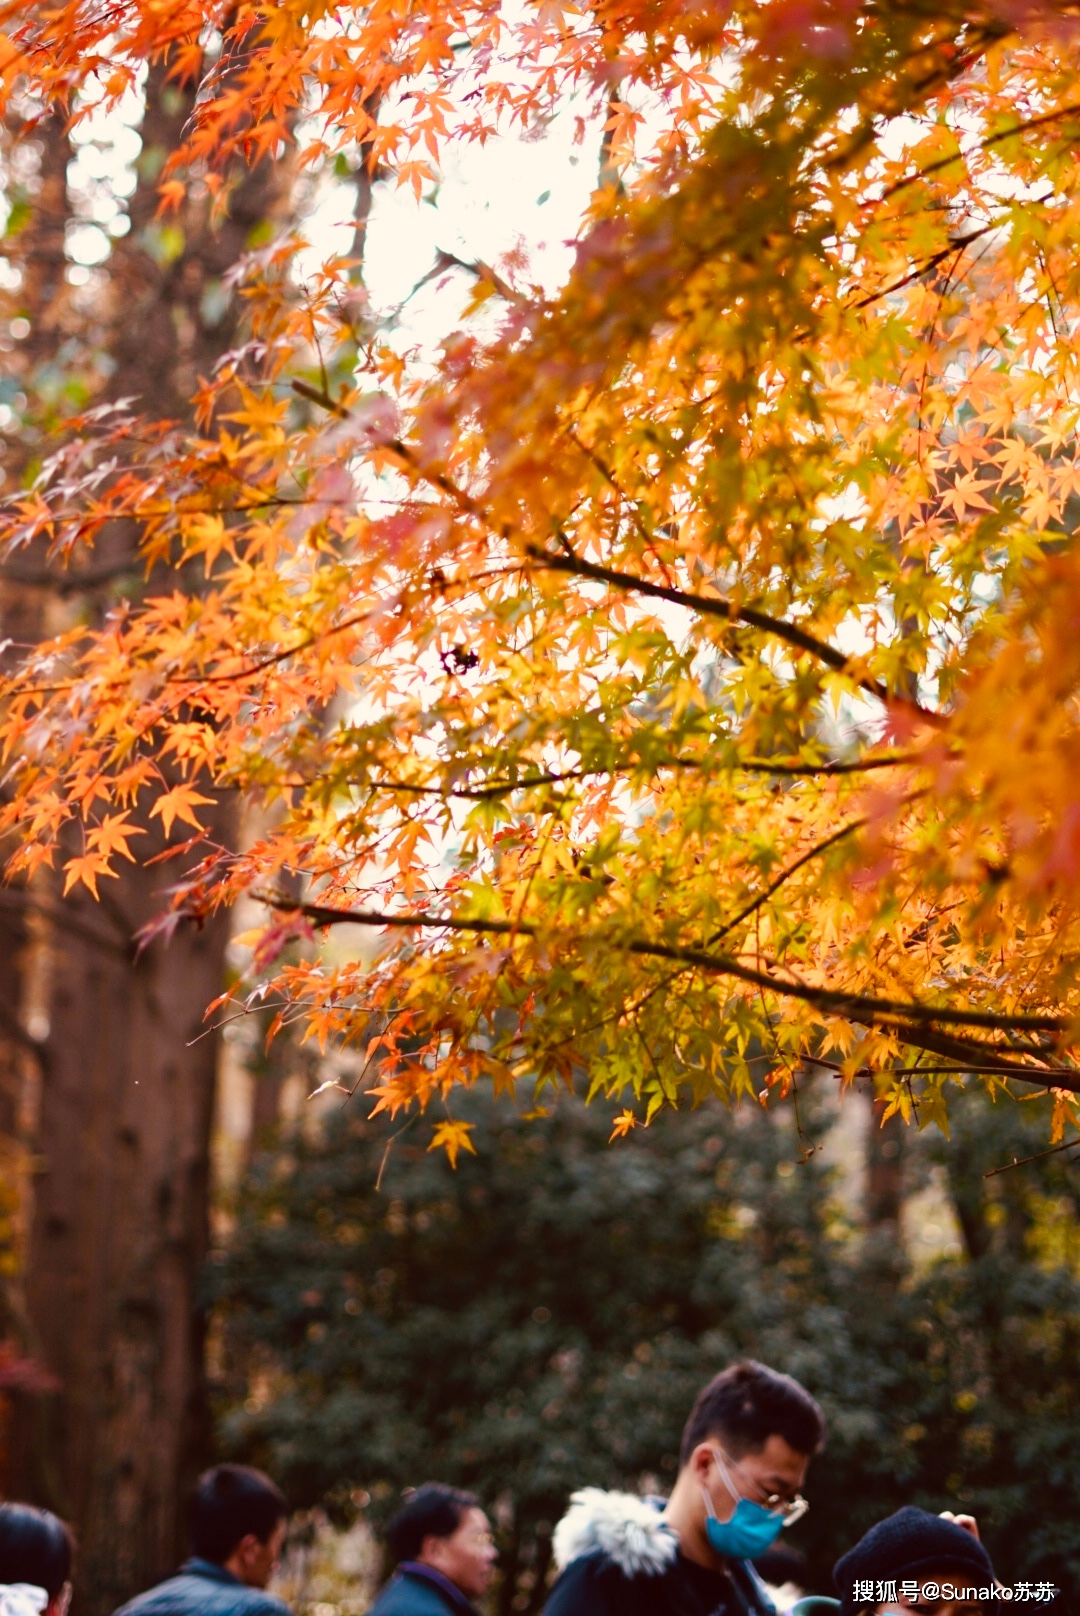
[785, 875]
[717, 606]
[983, 145]
[709, 605]
[315, 395]
[955, 246]
[994, 1068]
[909, 1019]
[1040, 1155]
[70, 583]
[972, 1054]
[502, 788]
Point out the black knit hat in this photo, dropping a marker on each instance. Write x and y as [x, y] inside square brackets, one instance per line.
[905, 1547]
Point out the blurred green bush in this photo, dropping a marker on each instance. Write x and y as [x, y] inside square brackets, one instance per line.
[541, 1318]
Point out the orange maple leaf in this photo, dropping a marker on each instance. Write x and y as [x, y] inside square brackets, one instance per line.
[172, 194]
[86, 869]
[111, 836]
[179, 803]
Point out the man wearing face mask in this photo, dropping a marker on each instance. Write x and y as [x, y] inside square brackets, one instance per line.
[745, 1452]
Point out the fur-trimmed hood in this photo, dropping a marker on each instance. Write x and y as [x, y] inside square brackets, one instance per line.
[629, 1530]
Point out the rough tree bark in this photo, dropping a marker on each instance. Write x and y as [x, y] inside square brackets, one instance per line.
[39, 252]
[119, 1224]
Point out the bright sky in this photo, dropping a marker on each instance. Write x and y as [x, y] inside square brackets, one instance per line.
[491, 199]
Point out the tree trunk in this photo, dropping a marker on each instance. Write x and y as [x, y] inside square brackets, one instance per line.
[123, 1073]
[120, 1235]
[884, 1172]
[121, 1134]
[38, 249]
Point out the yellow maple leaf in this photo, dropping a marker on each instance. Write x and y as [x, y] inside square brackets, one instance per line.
[207, 534]
[623, 1124]
[453, 1137]
[502, 1078]
[261, 411]
[1064, 1107]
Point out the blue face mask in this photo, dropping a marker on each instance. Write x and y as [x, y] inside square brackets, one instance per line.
[750, 1531]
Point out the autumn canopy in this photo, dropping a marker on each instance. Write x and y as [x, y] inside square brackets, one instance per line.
[678, 682]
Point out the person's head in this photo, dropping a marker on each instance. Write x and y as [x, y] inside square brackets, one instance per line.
[744, 1456]
[446, 1529]
[37, 1549]
[919, 1562]
[238, 1521]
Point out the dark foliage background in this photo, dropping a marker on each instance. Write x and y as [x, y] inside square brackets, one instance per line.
[541, 1319]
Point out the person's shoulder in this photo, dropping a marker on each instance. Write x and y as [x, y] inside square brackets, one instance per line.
[409, 1596]
[175, 1593]
[258, 1602]
[586, 1587]
[625, 1531]
[604, 1541]
[188, 1594]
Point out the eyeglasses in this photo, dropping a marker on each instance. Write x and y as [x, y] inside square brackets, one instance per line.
[789, 1510]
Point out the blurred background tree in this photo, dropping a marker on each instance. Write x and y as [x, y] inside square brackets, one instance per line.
[541, 1318]
[107, 1074]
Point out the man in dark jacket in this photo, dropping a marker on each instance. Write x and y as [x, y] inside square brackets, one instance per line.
[441, 1541]
[238, 1522]
[745, 1451]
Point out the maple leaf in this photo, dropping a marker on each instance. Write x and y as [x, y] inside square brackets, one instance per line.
[179, 803]
[503, 1080]
[623, 1124]
[12, 61]
[86, 869]
[113, 834]
[527, 652]
[779, 1078]
[172, 193]
[453, 1137]
[1064, 1111]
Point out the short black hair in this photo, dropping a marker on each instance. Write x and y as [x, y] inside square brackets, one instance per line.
[432, 1511]
[746, 1405]
[230, 1502]
[35, 1547]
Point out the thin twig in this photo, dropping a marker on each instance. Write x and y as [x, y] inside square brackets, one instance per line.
[785, 875]
[1040, 1155]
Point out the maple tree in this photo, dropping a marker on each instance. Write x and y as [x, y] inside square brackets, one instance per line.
[676, 683]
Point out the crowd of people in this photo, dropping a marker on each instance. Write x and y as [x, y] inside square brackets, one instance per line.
[745, 1453]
